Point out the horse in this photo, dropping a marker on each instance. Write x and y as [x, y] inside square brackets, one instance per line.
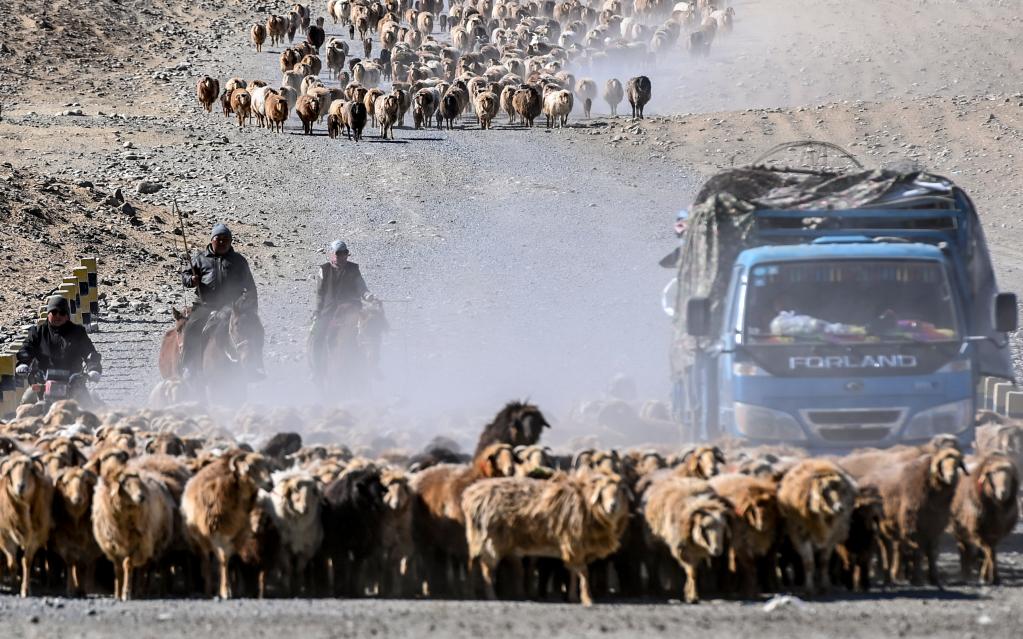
[352, 345]
[170, 347]
[232, 346]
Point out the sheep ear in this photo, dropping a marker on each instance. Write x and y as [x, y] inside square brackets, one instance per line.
[720, 456]
[686, 456]
[962, 466]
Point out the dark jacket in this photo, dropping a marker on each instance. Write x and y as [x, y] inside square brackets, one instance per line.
[67, 347]
[222, 279]
[339, 285]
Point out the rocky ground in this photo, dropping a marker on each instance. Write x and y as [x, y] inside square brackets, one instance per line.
[512, 262]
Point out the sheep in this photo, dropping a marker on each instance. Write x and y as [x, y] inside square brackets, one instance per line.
[315, 36]
[577, 518]
[507, 102]
[294, 504]
[528, 104]
[815, 498]
[72, 539]
[404, 98]
[437, 511]
[241, 103]
[206, 90]
[487, 104]
[516, 424]
[335, 58]
[386, 113]
[257, 34]
[856, 552]
[396, 548]
[276, 28]
[917, 498]
[1004, 438]
[701, 462]
[687, 517]
[357, 495]
[756, 528]
[985, 511]
[26, 498]
[370, 100]
[355, 117]
[308, 110]
[586, 90]
[334, 124]
[639, 91]
[613, 95]
[259, 548]
[259, 96]
[449, 110]
[288, 59]
[132, 521]
[276, 112]
[314, 63]
[309, 82]
[215, 508]
[424, 104]
[556, 106]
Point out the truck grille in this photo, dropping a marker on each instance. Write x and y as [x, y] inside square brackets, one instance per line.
[853, 417]
[853, 434]
[855, 425]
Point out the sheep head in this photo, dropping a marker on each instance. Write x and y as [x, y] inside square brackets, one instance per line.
[583, 459]
[300, 494]
[1000, 480]
[946, 464]
[649, 462]
[830, 494]
[107, 460]
[21, 474]
[497, 460]
[703, 461]
[251, 466]
[76, 486]
[709, 528]
[397, 494]
[131, 487]
[609, 497]
[761, 512]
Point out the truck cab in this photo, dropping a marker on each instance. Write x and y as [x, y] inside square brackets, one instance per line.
[837, 329]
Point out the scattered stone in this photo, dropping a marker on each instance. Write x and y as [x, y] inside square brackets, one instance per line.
[146, 187]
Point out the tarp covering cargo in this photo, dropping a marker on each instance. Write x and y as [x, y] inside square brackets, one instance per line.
[723, 223]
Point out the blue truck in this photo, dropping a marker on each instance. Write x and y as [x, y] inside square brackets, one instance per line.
[835, 310]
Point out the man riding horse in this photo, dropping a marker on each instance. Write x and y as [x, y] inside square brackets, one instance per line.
[339, 284]
[222, 280]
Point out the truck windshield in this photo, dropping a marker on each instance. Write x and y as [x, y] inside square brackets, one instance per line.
[849, 302]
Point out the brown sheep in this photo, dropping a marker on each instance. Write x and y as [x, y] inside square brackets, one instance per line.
[257, 34]
[334, 123]
[985, 511]
[308, 110]
[132, 521]
[289, 58]
[215, 509]
[370, 101]
[26, 500]
[528, 104]
[586, 90]
[1004, 438]
[206, 90]
[276, 112]
[314, 63]
[487, 105]
[336, 58]
[639, 91]
[439, 523]
[72, 539]
[687, 517]
[756, 528]
[386, 113]
[917, 497]
[507, 102]
[276, 28]
[578, 518]
[241, 104]
[815, 498]
[701, 462]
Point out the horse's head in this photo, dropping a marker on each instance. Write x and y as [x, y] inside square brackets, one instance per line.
[246, 333]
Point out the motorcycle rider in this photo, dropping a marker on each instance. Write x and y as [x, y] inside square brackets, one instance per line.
[338, 282]
[59, 344]
[220, 276]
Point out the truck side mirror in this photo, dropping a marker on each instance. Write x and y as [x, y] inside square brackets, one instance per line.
[698, 316]
[1006, 313]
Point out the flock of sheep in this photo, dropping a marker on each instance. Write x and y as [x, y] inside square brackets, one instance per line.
[166, 503]
[501, 56]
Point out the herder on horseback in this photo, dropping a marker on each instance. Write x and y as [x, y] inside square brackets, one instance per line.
[339, 286]
[224, 286]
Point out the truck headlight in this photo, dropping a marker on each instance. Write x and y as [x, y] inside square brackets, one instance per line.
[759, 422]
[950, 419]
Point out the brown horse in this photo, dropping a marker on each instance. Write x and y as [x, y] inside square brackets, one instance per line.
[170, 348]
[352, 344]
[233, 346]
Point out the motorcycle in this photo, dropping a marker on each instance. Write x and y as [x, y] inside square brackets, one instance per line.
[56, 384]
